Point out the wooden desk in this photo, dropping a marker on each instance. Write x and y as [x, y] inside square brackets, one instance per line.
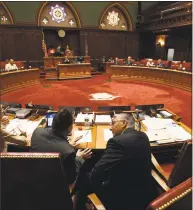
[14, 80]
[179, 79]
[74, 71]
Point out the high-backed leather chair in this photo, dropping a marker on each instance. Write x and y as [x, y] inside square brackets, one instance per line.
[11, 104]
[182, 169]
[177, 198]
[33, 181]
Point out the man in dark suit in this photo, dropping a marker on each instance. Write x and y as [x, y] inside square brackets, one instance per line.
[54, 139]
[122, 177]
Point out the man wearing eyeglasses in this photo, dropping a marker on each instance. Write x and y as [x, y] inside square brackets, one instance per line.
[122, 177]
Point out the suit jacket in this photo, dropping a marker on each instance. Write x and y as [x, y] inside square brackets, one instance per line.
[122, 177]
[46, 140]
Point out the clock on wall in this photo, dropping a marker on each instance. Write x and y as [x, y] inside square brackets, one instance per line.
[61, 33]
[113, 18]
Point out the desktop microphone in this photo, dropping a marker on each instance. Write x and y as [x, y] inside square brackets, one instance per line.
[138, 119]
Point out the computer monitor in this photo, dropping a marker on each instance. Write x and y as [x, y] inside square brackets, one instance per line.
[49, 119]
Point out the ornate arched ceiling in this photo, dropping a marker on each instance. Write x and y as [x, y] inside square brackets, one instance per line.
[116, 17]
[58, 14]
[5, 14]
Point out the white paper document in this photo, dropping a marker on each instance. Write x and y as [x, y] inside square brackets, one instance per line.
[81, 118]
[86, 135]
[157, 123]
[107, 134]
[103, 119]
[18, 126]
[155, 135]
[166, 114]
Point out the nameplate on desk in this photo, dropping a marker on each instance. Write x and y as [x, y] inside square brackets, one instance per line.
[81, 118]
[86, 135]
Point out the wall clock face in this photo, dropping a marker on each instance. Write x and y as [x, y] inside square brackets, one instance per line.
[61, 33]
[57, 13]
[113, 18]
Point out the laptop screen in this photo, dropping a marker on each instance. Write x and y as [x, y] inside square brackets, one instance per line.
[49, 119]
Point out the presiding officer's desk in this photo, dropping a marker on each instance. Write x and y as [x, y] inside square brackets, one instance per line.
[16, 79]
[176, 78]
[74, 70]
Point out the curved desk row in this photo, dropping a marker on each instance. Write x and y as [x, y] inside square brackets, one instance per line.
[179, 79]
[14, 80]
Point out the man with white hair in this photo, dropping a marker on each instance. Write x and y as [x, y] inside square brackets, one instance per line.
[150, 63]
[11, 65]
[122, 177]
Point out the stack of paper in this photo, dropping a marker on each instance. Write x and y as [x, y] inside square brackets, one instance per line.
[156, 135]
[103, 119]
[81, 118]
[107, 134]
[86, 135]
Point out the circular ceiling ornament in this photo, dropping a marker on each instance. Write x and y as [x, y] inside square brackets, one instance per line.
[113, 18]
[57, 13]
[61, 33]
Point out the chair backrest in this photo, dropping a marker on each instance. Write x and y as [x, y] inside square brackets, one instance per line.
[17, 148]
[183, 167]
[40, 106]
[33, 181]
[114, 108]
[11, 104]
[177, 198]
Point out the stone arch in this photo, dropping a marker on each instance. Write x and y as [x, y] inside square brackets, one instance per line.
[5, 15]
[68, 16]
[115, 17]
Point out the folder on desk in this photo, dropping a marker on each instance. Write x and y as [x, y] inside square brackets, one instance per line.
[103, 119]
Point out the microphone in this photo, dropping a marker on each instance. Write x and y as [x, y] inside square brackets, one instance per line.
[138, 119]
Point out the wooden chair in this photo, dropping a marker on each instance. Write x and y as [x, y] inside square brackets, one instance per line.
[182, 169]
[33, 181]
[177, 198]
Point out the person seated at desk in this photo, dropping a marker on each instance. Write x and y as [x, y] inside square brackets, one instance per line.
[117, 61]
[122, 177]
[182, 66]
[150, 63]
[160, 64]
[110, 60]
[60, 50]
[51, 51]
[5, 137]
[11, 66]
[66, 61]
[68, 51]
[129, 61]
[55, 139]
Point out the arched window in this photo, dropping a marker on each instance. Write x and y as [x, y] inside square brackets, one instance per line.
[58, 14]
[5, 15]
[116, 17]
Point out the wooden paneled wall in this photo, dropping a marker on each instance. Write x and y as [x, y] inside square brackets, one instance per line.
[25, 44]
[20, 43]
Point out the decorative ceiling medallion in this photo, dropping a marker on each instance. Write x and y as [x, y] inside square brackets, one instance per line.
[113, 18]
[45, 20]
[57, 13]
[71, 22]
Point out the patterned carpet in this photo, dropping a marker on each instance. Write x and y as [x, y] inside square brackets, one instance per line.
[78, 93]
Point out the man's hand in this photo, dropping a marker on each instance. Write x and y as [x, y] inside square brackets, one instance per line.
[74, 142]
[5, 120]
[84, 153]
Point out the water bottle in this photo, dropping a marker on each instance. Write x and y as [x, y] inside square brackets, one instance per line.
[86, 122]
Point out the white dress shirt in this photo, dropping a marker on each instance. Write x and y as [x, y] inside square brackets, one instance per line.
[9, 67]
